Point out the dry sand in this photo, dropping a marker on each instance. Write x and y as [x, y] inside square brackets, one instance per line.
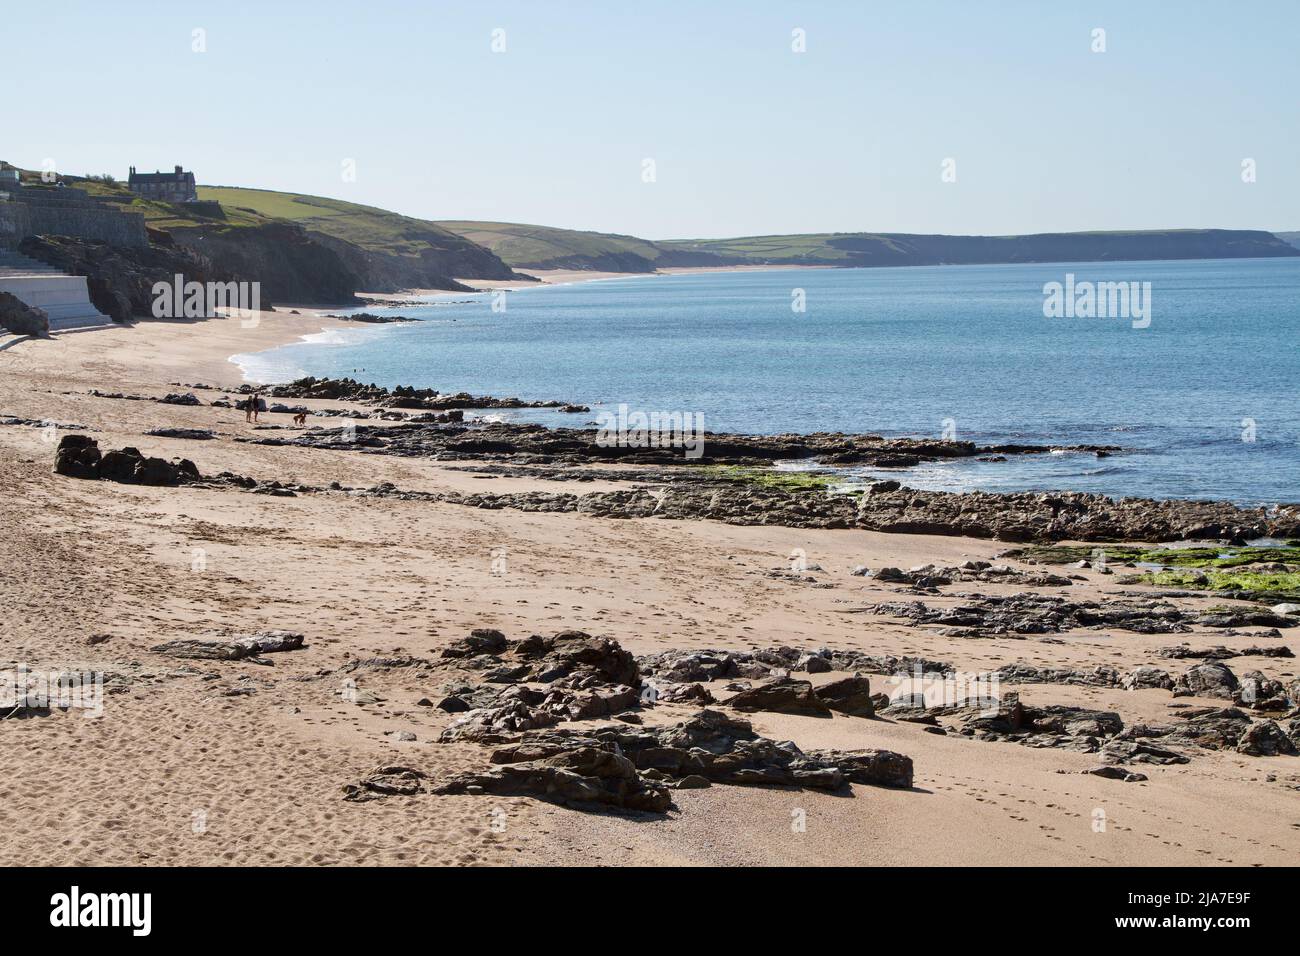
[232, 762]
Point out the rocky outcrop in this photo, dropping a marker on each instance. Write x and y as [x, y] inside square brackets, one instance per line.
[567, 765]
[1147, 677]
[581, 775]
[403, 396]
[1221, 653]
[692, 494]
[120, 279]
[180, 398]
[1266, 739]
[1043, 517]
[428, 257]
[78, 456]
[626, 766]
[1210, 728]
[848, 695]
[1261, 693]
[370, 318]
[1029, 613]
[20, 318]
[1022, 673]
[538, 444]
[681, 666]
[1122, 751]
[781, 695]
[930, 576]
[232, 648]
[1211, 679]
[290, 264]
[567, 654]
[1224, 729]
[386, 781]
[189, 434]
[1117, 773]
[1007, 719]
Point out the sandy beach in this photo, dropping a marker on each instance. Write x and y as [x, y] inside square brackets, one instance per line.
[244, 762]
[567, 276]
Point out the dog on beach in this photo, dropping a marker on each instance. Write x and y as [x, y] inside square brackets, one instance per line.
[300, 419]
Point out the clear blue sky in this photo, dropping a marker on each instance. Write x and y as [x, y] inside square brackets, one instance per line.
[747, 136]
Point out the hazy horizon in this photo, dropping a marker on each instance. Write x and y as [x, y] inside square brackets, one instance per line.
[935, 119]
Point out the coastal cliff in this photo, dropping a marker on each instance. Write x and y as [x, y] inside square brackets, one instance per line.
[902, 249]
[291, 265]
[120, 279]
[388, 252]
[542, 247]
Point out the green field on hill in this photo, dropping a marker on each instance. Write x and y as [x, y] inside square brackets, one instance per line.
[542, 247]
[520, 244]
[161, 215]
[366, 226]
[813, 246]
[458, 245]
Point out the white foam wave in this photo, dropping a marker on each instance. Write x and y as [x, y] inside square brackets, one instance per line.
[274, 365]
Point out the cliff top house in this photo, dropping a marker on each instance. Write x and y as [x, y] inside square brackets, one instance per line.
[176, 186]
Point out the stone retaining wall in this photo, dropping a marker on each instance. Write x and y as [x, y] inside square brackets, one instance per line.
[88, 221]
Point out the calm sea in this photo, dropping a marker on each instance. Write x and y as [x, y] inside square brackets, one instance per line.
[1206, 398]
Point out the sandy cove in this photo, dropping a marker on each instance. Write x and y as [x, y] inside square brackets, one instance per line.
[242, 763]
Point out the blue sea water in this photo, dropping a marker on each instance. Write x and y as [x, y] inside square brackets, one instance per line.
[895, 351]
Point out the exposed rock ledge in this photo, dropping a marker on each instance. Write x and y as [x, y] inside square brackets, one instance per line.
[1029, 516]
[537, 444]
[1036, 517]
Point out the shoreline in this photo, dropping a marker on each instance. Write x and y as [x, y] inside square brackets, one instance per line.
[390, 560]
[375, 580]
[954, 475]
[198, 351]
[399, 300]
[1142, 479]
[556, 277]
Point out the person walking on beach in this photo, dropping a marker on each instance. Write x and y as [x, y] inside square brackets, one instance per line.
[254, 403]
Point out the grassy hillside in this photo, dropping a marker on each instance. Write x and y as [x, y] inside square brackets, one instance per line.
[542, 247]
[275, 236]
[520, 243]
[870, 249]
[161, 215]
[814, 247]
[377, 230]
[388, 251]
